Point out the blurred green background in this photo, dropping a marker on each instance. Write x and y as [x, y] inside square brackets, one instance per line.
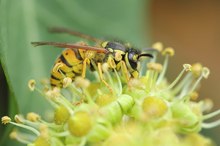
[191, 27]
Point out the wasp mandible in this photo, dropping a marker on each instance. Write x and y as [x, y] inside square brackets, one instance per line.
[78, 56]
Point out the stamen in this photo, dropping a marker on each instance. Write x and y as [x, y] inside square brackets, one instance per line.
[194, 95]
[66, 82]
[204, 74]
[26, 127]
[206, 105]
[57, 67]
[83, 84]
[119, 89]
[17, 136]
[167, 52]
[33, 117]
[31, 84]
[152, 74]
[211, 115]
[6, 120]
[211, 125]
[158, 46]
[186, 67]
[185, 81]
[196, 69]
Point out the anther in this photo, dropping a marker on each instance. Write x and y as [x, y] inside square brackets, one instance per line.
[66, 82]
[33, 117]
[6, 120]
[81, 82]
[31, 84]
[205, 72]
[196, 69]
[168, 51]
[158, 46]
[155, 66]
[57, 66]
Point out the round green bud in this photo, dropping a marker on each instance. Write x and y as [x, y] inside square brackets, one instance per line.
[80, 123]
[126, 102]
[42, 141]
[112, 112]
[61, 115]
[187, 120]
[99, 133]
[104, 99]
[154, 107]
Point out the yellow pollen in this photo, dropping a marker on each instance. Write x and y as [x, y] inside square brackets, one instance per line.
[196, 69]
[158, 46]
[13, 135]
[155, 66]
[81, 82]
[187, 67]
[33, 117]
[18, 119]
[44, 131]
[207, 104]
[194, 95]
[31, 84]
[57, 66]
[105, 67]
[6, 120]
[66, 82]
[205, 72]
[168, 51]
[118, 56]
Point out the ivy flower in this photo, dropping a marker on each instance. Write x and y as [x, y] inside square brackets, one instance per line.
[148, 110]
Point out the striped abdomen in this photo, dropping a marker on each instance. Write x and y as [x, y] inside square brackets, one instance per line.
[71, 61]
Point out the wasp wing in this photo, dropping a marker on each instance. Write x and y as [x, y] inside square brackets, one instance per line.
[74, 33]
[70, 45]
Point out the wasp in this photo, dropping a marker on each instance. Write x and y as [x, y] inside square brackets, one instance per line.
[77, 57]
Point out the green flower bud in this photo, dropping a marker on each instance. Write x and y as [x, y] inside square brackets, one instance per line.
[126, 102]
[61, 115]
[99, 133]
[42, 141]
[80, 123]
[154, 107]
[104, 99]
[112, 112]
[187, 121]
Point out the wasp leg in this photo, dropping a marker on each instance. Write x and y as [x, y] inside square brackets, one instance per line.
[124, 70]
[135, 74]
[85, 62]
[102, 78]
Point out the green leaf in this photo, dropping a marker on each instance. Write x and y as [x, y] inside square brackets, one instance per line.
[27, 20]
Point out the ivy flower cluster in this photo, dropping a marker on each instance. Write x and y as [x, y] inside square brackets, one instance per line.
[149, 110]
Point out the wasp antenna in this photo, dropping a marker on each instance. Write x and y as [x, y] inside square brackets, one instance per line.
[35, 44]
[146, 55]
[74, 33]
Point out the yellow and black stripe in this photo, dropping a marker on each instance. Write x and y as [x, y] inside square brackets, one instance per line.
[72, 64]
